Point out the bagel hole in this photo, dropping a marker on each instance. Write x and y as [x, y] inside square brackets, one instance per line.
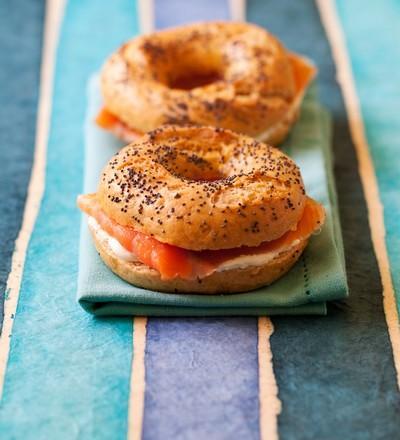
[191, 166]
[192, 80]
[209, 176]
[198, 174]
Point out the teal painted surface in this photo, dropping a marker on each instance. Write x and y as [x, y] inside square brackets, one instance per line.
[373, 41]
[19, 79]
[68, 374]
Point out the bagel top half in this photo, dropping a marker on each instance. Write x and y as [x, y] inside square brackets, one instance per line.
[225, 74]
[203, 188]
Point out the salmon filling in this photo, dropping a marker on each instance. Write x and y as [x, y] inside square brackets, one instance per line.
[303, 74]
[175, 262]
[105, 119]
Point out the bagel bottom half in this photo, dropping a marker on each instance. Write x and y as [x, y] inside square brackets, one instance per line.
[227, 281]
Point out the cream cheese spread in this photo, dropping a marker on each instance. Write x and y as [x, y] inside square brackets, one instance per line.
[241, 262]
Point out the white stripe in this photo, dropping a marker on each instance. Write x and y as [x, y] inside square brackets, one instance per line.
[54, 14]
[138, 371]
[345, 78]
[270, 405]
[138, 384]
[146, 16]
[238, 10]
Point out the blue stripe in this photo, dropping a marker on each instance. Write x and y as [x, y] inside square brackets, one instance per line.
[335, 374]
[201, 374]
[19, 78]
[68, 374]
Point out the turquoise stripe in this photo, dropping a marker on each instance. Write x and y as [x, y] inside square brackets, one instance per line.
[68, 374]
[373, 40]
[335, 374]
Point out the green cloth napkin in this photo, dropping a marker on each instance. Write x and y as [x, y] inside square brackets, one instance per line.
[319, 275]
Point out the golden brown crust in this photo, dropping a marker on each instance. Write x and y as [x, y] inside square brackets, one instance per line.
[254, 85]
[163, 186]
[228, 281]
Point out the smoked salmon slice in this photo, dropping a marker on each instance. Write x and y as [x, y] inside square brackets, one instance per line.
[312, 220]
[107, 120]
[172, 261]
[303, 72]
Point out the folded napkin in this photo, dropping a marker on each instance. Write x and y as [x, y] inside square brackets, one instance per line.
[319, 275]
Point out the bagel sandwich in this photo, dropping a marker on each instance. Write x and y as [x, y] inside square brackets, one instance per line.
[200, 210]
[225, 74]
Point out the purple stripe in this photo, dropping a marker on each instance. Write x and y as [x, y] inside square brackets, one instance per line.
[201, 374]
[201, 379]
[176, 12]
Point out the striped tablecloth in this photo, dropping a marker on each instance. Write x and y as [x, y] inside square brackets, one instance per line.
[66, 375]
